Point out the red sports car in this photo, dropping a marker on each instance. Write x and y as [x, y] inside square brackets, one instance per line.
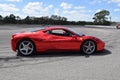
[118, 26]
[54, 38]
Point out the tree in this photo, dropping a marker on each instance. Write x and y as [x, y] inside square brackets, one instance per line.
[18, 18]
[10, 19]
[101, 17]
[1, 19]
[56, 17]
[64, 19]
[6, 19]
[27, 20]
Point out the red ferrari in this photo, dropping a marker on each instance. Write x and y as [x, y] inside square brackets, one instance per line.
[54, 38]
[118, 26]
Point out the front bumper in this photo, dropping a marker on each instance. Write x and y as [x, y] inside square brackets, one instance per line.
[100, 46]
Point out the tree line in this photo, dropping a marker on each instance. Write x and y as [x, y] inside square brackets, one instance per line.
[99, 19]
[52, 20]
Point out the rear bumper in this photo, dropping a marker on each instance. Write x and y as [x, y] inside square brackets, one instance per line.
[13, 44]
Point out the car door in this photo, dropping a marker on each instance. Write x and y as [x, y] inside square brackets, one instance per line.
[59, 40]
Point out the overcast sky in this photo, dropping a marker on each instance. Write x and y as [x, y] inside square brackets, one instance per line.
[74, 10]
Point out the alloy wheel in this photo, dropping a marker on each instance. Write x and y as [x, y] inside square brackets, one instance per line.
[26, 47]
[88, 47]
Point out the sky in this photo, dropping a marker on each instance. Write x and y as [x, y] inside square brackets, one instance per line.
[73, 10]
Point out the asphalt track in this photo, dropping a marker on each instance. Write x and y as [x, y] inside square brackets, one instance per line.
[103, 65]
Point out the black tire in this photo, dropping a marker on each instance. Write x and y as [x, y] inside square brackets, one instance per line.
[88, 47]
[26, 48]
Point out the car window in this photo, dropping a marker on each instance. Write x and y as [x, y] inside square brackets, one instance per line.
[59, 32]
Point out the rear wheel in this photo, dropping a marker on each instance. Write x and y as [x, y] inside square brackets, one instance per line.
[26, 48]
[88, 47]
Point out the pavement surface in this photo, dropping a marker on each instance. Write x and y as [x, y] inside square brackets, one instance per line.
[103, 65]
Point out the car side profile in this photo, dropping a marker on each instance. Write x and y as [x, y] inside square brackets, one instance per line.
[55, 38]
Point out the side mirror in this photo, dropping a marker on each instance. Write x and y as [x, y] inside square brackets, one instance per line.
[74, 36]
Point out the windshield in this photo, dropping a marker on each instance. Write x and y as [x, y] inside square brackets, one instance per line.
[37, 29]
[74, 31]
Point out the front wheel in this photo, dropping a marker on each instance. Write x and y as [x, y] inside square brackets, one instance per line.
[25, 48]
[88, 47]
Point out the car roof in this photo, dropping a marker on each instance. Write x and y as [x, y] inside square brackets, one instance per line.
[55, 27]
